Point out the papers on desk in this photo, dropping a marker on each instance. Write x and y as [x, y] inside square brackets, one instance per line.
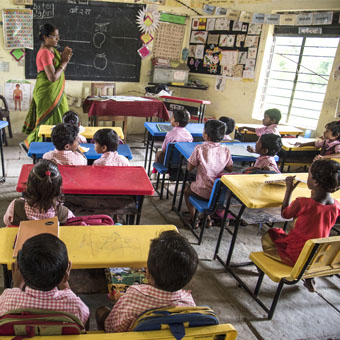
[282, 181]
[119, 98]
[240, 150]
[83, 149]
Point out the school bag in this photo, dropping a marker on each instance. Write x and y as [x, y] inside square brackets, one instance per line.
[175, 318]
[90, 220]
[26, 323]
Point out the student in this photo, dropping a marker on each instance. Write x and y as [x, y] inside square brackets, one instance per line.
[314, 216]
[267, 147]
[230, 126]
[171, 264]
[40, 279]
[330, 143]
[211, 159]
[64, 138]
[41, 198]
[70, 117]
[179, 120]
[106, 142]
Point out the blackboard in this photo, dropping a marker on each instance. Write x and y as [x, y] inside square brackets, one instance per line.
[103, 35]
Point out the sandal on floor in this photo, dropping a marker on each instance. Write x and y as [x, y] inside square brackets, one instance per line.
[310, 284]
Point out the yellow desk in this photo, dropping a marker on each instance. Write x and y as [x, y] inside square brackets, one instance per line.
[283, 129]
[45, 131]
[96, 246]
[255, 194]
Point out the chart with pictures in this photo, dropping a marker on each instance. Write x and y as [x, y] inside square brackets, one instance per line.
[220, 46]
[169, 41]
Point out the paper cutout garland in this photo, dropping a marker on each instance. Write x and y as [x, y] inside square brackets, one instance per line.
[148, 19]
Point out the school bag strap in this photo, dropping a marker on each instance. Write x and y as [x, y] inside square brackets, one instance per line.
[90, 220]
[175, 318]
[29, 322]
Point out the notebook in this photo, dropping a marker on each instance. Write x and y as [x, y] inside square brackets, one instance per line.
[164, 127]
[28, 229]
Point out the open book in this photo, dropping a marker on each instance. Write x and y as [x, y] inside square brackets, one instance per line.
[164, 127]
[28, 229]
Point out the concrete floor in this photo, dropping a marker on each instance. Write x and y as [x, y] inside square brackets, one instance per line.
[299, 315]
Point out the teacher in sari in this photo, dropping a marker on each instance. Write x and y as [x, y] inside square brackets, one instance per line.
[49, 100]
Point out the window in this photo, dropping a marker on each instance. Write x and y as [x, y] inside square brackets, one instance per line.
[297, 78]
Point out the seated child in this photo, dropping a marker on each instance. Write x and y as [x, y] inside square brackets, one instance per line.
[172, 262]
[230, 126]
[70, 117]
[179, 133]
[106, 142]
[40, 279]
[314, 216]
[41, 198]
[211, 159]
[330, 143]
[267, 146]
[64, 138]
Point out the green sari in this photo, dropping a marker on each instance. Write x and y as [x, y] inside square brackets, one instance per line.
[48, 105]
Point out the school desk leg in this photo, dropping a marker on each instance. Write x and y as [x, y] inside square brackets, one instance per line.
[177, 182]
[182, 192]
[140, 200]
[147, 150]
[7, 276]
[3, 178]
[150, 157]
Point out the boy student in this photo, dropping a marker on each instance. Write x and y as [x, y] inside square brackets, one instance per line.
[171, 264]
[179, 120]
[211, 159]
[267, 146]
[64, 138]
[106, 143]
[40, 279]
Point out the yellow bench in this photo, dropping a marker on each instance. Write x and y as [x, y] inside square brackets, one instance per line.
[206, 333]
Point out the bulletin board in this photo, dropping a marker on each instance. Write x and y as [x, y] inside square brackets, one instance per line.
[219, 46]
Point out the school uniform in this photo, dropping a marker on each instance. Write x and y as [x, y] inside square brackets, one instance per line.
[176, 135]
[111, 158]
[19, 210]
[81, 139]
[266, 162]
[57, 300]
[267, 130]
[227, 138]
[328, 147]
[140, 298]
[210, 159]
[66, 157]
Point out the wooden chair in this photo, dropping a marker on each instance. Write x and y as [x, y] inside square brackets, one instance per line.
[319, 257]
[106, 89]
[4, 113]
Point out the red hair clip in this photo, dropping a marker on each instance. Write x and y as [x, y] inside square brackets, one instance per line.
[48, 173]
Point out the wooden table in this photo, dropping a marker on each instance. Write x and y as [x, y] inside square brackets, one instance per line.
[97, 187]
[95, 246]
[89, 131]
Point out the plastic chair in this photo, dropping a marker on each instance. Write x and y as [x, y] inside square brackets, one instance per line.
[171, 162]
[216, 201]
[319, 257]
[103, 89]
[4, 113]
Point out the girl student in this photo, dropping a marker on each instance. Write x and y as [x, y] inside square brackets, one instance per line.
[41, 198]
[71, 117]
[314, 217]
[330, 143]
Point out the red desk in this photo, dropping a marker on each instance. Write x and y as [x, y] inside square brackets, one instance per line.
[150, 108]
[202, 104]
[96, 186]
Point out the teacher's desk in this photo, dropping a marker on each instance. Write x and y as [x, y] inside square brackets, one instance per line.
[94, 246]
[101, 189]
[38, 149]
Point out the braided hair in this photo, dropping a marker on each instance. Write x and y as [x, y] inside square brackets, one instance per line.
[326, 172]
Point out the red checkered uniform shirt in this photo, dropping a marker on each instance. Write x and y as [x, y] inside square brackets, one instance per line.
[58, 300]
[140, 298]
[31, 213]
[81, 139]
[267, 162]
[112, 159]
[66, 157]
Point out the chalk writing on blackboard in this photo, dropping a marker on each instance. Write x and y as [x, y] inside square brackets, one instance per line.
[43, 11]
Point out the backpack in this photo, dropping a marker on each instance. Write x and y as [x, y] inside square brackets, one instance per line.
[26, 323]
[175, 318]
[90, 220]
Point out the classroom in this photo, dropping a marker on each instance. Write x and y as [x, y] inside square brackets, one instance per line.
[211, 59]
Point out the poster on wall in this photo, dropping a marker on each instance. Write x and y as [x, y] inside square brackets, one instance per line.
[18, 95]
[17, 28]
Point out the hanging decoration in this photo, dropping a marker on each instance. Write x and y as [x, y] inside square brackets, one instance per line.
[148, 19]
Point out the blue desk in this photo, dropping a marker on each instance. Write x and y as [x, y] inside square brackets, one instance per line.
[238, 152]
[154, 134]
[3, 124]
[37, 150]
